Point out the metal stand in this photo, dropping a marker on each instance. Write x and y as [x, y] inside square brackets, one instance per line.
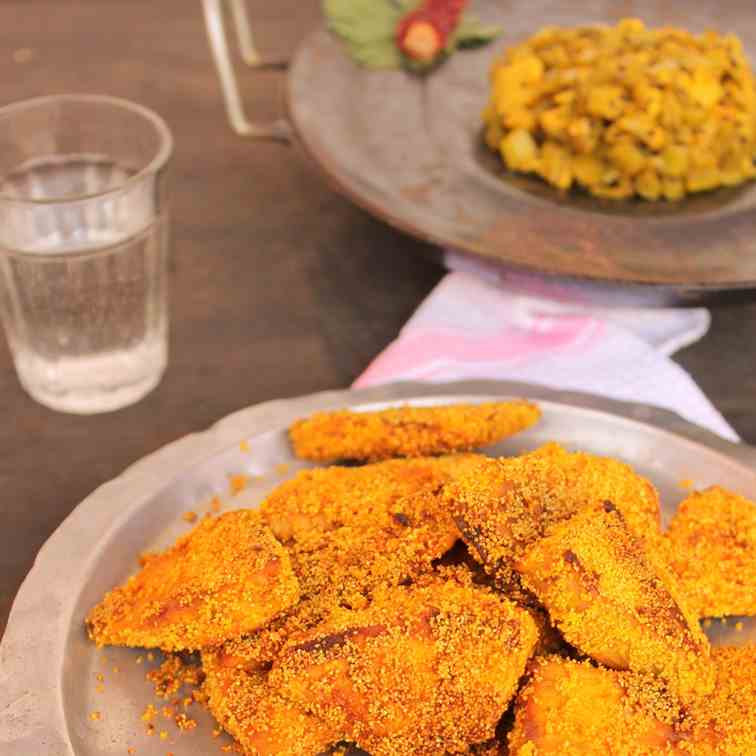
[278, 130]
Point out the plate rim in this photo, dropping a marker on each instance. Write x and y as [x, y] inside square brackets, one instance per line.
[32, 716]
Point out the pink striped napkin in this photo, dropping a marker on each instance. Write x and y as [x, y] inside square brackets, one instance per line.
[472, 325]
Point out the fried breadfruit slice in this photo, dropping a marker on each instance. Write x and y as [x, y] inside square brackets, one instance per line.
[349, 530]
[602, 592]
[264, 723]
[408, 431]
[501, 506]
[227, 577]
[423, 669]
[724, 722]
[573, 708]
[319, 501]
[713, 552]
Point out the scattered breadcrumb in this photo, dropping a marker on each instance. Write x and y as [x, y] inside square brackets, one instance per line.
[238, 483]
[244, 446]
[149, 713]
[95, 716]
[282, 468]
[189, 517]
[184, 723]
[408, 431]
[173, 674]
[215, 505]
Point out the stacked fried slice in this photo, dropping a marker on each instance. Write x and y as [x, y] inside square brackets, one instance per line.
[346, 613]
[229, 576]
[712, 541]
[409, 431]
[420, 667]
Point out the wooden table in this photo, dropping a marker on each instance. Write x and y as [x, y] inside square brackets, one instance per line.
[280, 287]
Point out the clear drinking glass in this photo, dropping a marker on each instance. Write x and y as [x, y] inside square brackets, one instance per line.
[83, 249]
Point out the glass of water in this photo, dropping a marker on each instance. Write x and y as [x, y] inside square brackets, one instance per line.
[83, 249]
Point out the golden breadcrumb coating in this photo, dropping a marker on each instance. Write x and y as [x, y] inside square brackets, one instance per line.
[408, 431]
[713, 552]
[423, 670]
[324, 499]
[724, 722]
[594, 578]
[503, 505]
[573, 708]
[349, 529]
[263, 722]
[227, 577]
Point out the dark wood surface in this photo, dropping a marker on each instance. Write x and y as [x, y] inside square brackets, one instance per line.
[279, 286]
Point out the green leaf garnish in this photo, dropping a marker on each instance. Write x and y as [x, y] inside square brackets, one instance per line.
[471, 32]
[368, 29]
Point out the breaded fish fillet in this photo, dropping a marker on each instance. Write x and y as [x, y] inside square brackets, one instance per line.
[724, 722]
[503, 505]
[408, 431]
[423, 670]
[595, 579]
[321, 500]
[350, 529]
[713, 552]
[227, 577]
[571, 708]
[264, 723]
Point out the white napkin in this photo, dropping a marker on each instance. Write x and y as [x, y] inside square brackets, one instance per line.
[473, 326]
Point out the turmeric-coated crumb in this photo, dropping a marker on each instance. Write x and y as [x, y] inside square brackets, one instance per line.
[436, 663]
[261, 720]
[171, 676]
[189, 517]
[573, 708]
[408, 431]
[184, 723]
[713, 552]
[724, 722]
[503, 505]
[602, 592]
[225, 578]
[238, 483]
[95, 716]
[349, 529]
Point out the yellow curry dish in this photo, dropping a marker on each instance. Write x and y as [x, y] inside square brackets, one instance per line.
[625, 111]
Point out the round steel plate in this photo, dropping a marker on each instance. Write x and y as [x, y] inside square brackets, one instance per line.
[409, 150]
[48, 667]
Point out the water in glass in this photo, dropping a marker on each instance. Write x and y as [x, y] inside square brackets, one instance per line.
[85, 300]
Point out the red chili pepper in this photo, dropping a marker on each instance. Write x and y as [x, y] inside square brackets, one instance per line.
[423, 33]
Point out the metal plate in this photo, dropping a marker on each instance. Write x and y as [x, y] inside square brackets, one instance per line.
[409, 150]
[48, 668]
